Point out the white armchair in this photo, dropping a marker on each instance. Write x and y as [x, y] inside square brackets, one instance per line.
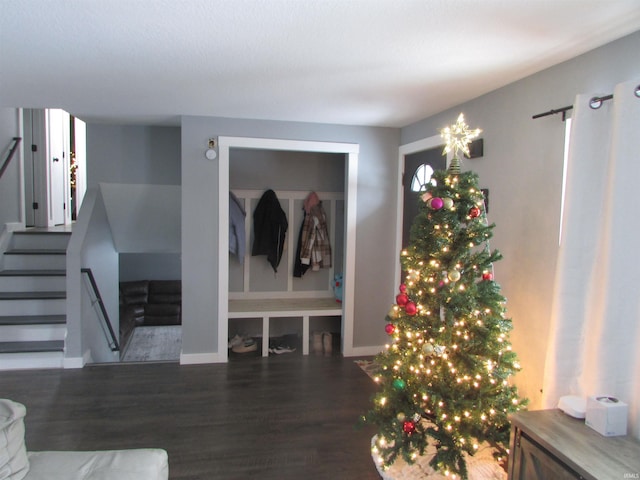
[16, 463]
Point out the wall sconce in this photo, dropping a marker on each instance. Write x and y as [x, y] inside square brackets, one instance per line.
[211, 153]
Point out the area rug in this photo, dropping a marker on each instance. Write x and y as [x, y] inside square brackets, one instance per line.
[368, 366]
[481, 466]
[150, 344]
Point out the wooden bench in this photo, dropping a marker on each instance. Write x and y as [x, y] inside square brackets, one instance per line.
[284, 307]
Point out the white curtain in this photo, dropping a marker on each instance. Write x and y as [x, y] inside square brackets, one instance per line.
[594, 342]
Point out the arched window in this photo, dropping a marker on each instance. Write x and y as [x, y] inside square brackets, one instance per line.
[421, 178]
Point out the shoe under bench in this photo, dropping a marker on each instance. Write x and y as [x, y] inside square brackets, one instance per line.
[266, 309]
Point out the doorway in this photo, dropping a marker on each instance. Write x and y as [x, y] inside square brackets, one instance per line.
[418, 168]
[350, 152]
[415, 162]
[54, 165]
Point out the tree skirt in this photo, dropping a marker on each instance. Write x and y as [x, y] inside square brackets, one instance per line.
[482, 466]
[150, 344]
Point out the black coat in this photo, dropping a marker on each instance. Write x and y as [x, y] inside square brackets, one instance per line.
[269, 229]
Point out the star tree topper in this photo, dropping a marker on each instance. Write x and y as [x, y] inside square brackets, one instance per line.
[458, 137]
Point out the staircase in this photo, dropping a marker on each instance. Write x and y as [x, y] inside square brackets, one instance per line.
[33, 300]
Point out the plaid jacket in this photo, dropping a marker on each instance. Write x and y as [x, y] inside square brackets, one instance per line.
[315, 249]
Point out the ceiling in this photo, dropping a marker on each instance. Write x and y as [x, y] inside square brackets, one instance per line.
[357, 62]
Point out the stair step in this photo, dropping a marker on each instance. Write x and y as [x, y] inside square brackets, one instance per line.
[33, 300]
[34, 251]
[33, 319]
[31, 360]
[40, 239]
[33, 273]
[13, 306]
[23, 282]
[32, 295]
[39, 332]
[43, 260]
[32, 347]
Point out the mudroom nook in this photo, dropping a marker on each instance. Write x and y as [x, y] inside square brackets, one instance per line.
[280, 305]
[264, 301]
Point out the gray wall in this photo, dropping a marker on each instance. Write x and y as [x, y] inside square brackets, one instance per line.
[129, 154]
[522, 167]
[150, 266]
[132, 154]
[294, 171]
[10, 191]
[303, 171]
[376, 210]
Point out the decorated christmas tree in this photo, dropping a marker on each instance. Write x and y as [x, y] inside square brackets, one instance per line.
[445, 374]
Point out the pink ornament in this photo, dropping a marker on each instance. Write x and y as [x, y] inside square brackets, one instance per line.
[411, 308]
[402, 299]
[403, 288]
[390, 328]
[436, 203]
[487, 276]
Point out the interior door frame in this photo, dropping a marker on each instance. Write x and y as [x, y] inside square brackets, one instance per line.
[40, 185]
[404, 150]
[351, 152]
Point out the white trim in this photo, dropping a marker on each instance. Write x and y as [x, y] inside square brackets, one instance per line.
[288, 145]
[280, 295]
[5, 238]
[351, 151]
[348, 290]
[21, 187]
[403, 151]
[366, 351]
[286, 194]
[73, 362]
[28, 360]
[223, 255]
[199, 358]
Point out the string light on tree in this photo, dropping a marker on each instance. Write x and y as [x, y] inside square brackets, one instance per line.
[444, 380]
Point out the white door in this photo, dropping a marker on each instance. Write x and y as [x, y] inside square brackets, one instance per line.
[79, 167]
[55, 162]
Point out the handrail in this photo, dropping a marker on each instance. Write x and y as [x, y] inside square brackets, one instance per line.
[96, 291]
[12, 150]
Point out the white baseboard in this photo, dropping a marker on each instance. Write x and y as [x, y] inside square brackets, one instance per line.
[24, 361]
[198, 358]
[73, 362]
[364, 351]
[13, 226]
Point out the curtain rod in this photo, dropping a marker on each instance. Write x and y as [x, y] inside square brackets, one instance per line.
[595, 102]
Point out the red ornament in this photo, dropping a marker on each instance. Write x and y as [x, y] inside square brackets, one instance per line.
[403, 288]
[402, 299]
[409, 427]
[487, 276]
[390, 328]
[411, 308]
[474, 212]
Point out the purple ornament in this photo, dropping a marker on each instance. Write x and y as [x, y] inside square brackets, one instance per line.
[436, 203]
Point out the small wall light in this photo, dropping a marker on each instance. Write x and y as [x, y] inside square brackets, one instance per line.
[211, 152]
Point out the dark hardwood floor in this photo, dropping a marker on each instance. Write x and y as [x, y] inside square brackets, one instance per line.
[281, 417]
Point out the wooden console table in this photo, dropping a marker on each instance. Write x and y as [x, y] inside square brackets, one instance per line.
[548, 444]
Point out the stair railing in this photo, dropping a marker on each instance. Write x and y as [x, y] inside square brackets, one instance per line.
[16, 141]
[115, 347]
